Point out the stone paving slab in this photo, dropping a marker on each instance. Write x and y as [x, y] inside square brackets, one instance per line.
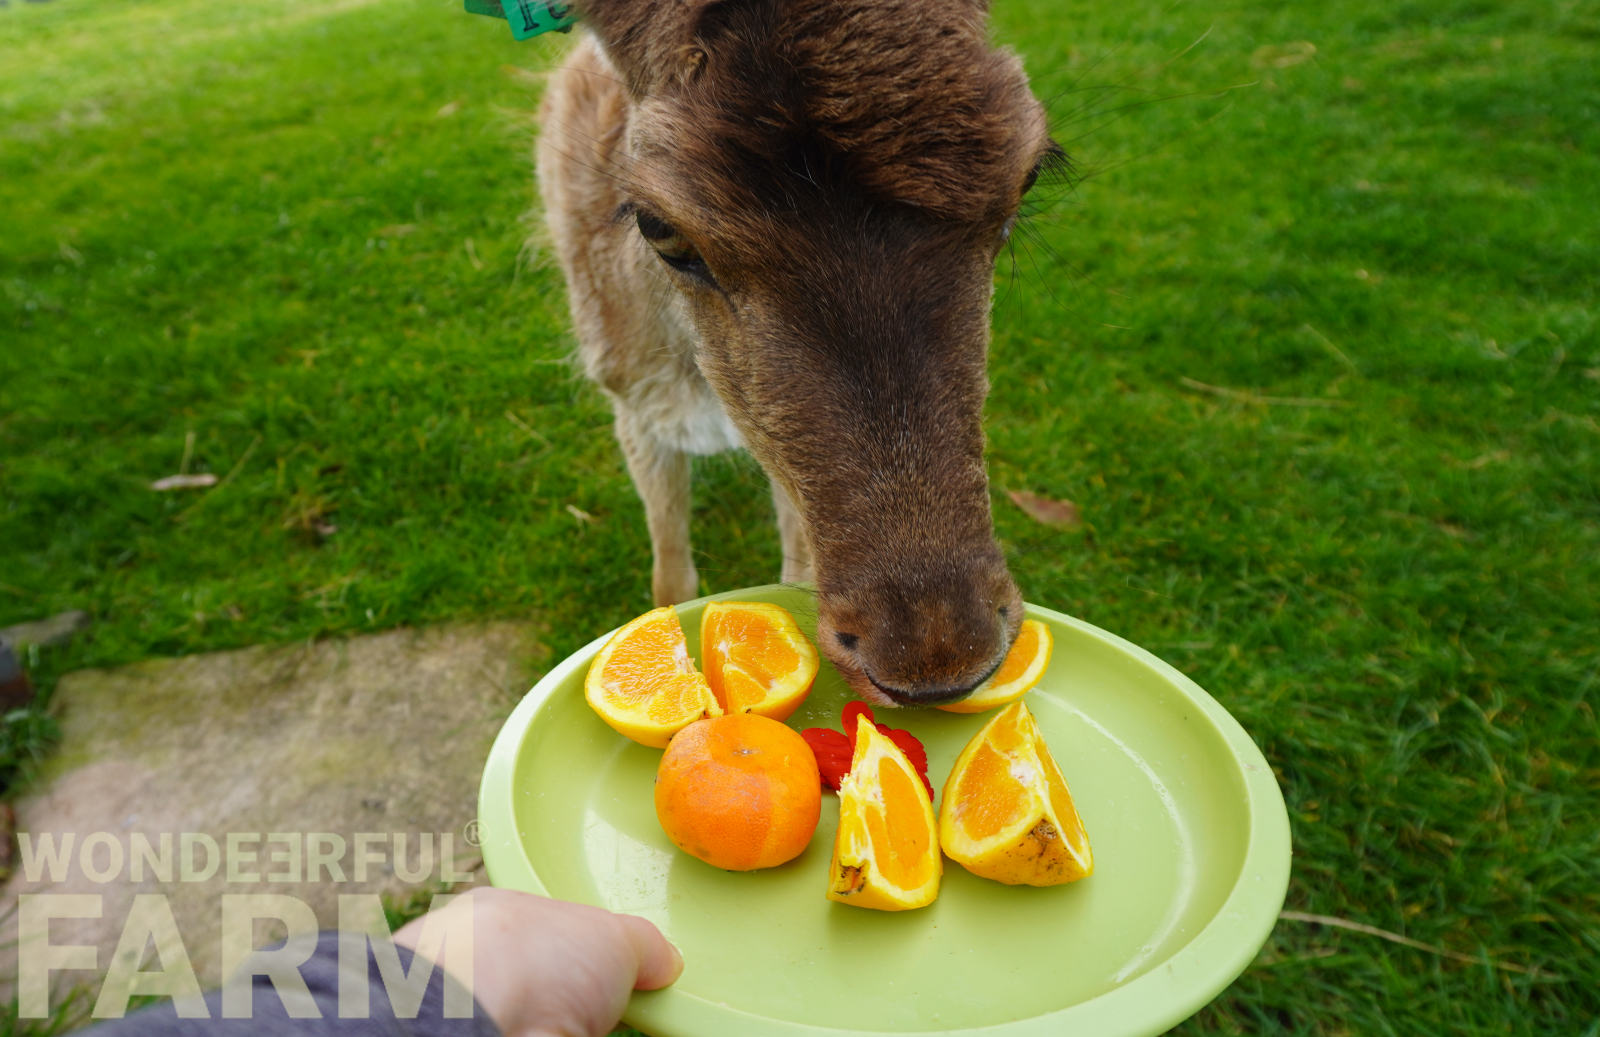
[55, 630]
[295, 771]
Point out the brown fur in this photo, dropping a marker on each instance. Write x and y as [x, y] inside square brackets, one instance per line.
[845, 171]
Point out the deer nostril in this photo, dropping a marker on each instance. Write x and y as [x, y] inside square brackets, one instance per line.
[847, 641]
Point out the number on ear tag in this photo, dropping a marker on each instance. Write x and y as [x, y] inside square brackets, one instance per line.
[527, 17]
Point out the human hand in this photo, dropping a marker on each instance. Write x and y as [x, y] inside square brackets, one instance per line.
[548, 968]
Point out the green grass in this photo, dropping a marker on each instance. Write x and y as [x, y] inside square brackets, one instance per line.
[1314, 345]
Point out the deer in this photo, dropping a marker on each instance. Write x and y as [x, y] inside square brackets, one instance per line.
[778, 222]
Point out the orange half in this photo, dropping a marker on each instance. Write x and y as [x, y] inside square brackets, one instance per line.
[644, 684]
[755, 657]
[1006, 813]
[1024, 665]
[886, 853]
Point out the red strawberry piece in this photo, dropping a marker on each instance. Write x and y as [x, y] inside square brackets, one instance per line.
[824, 738]
[832, 770]
[833, 752]
[848, 715]
[909, 745]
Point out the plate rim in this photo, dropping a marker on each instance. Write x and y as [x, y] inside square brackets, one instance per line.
[1148, 1004]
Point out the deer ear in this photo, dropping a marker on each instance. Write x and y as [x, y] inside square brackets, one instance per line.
[652, 42]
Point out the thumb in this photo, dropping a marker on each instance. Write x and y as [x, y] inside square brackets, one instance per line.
[659, 961]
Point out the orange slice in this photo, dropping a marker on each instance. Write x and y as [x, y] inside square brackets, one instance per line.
[1024, 665]
[755, 657]
[886, 853]
[1006, 813]
[644, 684]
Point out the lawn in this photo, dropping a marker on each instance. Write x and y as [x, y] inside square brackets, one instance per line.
[1312, 342]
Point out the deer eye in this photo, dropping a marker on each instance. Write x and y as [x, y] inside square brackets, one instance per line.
[673, 248]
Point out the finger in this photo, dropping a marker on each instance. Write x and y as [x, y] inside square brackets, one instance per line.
[659, 961]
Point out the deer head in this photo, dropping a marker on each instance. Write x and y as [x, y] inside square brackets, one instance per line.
[827, 184]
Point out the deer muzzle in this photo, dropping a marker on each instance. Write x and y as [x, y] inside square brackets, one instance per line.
[926, 635]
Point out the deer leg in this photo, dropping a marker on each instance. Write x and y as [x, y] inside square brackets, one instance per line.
[797, 567]
[661, 477]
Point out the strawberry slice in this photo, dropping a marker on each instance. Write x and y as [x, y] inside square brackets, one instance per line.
[849, 715]
[910, 746]
[834, 750]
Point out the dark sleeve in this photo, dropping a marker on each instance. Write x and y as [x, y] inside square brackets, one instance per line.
[250, 1003]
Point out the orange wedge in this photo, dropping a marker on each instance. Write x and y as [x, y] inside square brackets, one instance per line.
[1024, 665]
[644, 684]
[755, 657]
[886, 853]
[1006, 813]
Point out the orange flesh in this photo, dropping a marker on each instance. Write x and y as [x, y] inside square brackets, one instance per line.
[1007, 739]
[1060, 799]
[653, 655]
[990, 798]
[1021, 656]
[740, 690]
[750, 653]
[900, 841]
[753, 645]
[672, 696]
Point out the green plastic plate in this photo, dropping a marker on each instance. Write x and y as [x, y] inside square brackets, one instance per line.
[1190, 838]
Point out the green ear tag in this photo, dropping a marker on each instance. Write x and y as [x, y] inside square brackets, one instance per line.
[527, 17]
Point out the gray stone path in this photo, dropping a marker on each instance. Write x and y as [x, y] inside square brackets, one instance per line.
[295, 771]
